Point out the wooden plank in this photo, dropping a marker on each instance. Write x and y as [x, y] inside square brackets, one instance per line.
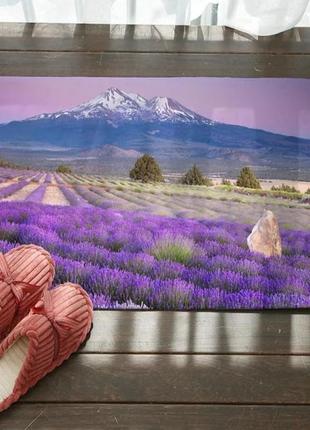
[136, 378]
[200, 332]
[143, 38]
[156, 64]
[147, 417]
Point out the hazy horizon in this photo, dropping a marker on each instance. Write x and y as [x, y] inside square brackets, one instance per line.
[278, 105]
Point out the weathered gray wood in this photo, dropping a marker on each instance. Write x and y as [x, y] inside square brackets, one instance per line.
[223, 365]
[200, 332]
[145, 38]
[151, 417]
[28, 63]
[149, 378]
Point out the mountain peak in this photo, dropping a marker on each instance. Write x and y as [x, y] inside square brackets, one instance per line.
[161, 101]
[158, 99]
[109, 99]
[113, 92]
[166, 109]
[166, 103]
[115, 105]
[111, 104]
[117, 96]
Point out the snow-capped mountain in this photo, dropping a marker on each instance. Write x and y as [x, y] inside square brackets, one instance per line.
[167, 109]
[115, 105]
[109, 131]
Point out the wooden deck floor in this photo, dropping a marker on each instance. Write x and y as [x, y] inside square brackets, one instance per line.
[182, 370]
[171, 370]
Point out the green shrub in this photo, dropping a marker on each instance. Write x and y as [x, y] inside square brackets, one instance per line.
[194, 177]
[285, 188]
[5, 163]
[178, 249]
[286, 195]
[63, 168]
[247, 179]
[226, 182]
[308, 191]
[270, 193]
[9, 236]
[146, 169]
[252, 191]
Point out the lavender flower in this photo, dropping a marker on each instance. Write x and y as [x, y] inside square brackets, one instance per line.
[13, 188]
[37, 195]
[124, 259]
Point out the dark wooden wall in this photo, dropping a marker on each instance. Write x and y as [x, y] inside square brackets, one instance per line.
[178, 370]
[116, 50]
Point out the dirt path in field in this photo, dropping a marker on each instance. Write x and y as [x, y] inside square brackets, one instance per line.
[53, 180]
[42, 179]
[21, 194]
[54, 196]
[120, 203]
[7, 183]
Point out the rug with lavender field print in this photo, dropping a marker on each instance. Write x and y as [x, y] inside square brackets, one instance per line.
[162, 193]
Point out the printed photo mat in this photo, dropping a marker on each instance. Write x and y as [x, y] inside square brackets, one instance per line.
[162, 193]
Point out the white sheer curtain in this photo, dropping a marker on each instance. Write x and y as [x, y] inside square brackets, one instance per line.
[259, 17]
[262, 17]
[157, 12]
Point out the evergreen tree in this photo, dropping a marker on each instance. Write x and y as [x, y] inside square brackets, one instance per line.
[247, 179]
[63, 168]
[194, 177]
[146, 169]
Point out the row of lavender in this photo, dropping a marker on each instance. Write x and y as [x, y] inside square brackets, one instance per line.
[74, 197]
[22, 180]
[159, 262]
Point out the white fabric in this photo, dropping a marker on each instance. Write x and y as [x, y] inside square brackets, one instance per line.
[10, 366]
[147, 12]
[305, 20]
[262, 17]
[259, 17]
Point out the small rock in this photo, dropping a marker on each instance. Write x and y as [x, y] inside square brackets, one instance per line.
[265, 237]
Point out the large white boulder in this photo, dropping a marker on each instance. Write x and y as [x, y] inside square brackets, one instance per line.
[265, 237]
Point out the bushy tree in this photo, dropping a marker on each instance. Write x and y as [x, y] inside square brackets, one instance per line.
[247, 179]
[308, 191]
[195, 177]
[146, 169]
[63, 168]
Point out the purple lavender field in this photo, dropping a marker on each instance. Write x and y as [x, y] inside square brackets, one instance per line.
[128, 259]
[172, 235]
